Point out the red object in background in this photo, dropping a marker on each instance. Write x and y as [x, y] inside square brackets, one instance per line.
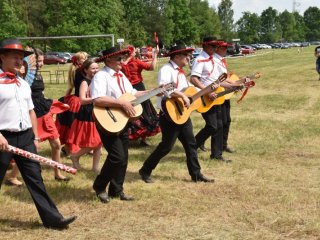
[52, 59]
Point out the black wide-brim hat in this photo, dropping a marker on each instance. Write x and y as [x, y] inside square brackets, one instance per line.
[211, 41]
[13, 45]
[178, 49]
[111, 52]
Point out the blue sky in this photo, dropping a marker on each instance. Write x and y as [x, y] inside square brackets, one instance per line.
[257, 6]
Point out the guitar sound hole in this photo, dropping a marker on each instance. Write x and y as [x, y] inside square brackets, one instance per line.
[111, 114]
[178, 107]
[203, 101]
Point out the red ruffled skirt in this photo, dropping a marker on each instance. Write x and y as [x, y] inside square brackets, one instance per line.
[46, 126]
[64, 120]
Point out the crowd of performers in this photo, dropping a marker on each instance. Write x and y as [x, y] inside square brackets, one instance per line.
[27, 116]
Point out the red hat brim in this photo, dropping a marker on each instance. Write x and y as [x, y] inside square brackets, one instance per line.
[120, 52]
[180, 51]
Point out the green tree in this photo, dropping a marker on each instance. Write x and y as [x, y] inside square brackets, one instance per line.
[153, 20]
[270, 26]
[312, 21]
[288, 25]
[178, 19]
[225, 13]
[299, 28]
[206, 19]
[248, 27]
[10, 24]
[84, 18]
[134, 13]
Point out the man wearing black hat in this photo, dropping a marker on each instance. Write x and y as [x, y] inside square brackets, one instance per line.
[204, 72]
[106, 87]
[18, 127]
[172, 72]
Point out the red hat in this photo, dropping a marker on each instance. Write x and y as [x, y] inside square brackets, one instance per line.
[211, 41]
[110, 52]
[180, 48]
[13, 44]
[224, 44]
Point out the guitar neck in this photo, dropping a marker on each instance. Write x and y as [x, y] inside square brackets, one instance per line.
[205, 90]
[243, 80]
[220, 94]
[146, 96]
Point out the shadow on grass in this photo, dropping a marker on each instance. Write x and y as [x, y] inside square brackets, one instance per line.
[11, 225]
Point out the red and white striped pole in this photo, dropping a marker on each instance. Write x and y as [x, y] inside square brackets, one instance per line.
[40, 159]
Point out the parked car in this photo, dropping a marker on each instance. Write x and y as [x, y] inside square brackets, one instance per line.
[246, 49]
[52, 59]
[65, 55]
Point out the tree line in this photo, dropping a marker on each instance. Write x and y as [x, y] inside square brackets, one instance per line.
[137, 20]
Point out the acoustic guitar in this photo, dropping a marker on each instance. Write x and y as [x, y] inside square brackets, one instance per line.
[113, 120]
[207, 103]
[175, 109]
[235, 78]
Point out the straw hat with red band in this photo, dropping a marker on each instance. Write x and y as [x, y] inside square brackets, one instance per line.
[212, 41]
[13, 44]
[178, 49]
[111, 52]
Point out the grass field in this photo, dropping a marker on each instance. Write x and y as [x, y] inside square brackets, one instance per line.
[270, 191]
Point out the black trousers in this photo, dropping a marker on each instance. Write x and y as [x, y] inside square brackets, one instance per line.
[226, 119]
[114, 168]
[170, 133]
[31, 173]
[213, 129]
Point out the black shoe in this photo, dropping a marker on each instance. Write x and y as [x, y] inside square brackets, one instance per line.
[201, 178]
[221, 159]
[62, 224]
[103, 197]
[203, 148]
[228, 150]
[124, 197]
[65, 179]
[145, 177]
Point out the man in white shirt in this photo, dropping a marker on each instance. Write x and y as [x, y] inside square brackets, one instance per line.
[172, 72]
[106, 87]
[207, 68]
[18, 127]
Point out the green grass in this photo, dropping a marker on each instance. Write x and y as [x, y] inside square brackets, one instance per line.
[270, 191]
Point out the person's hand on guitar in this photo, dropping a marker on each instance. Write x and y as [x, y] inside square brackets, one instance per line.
[3, 143]
[128, 108]
[186, 101]
[212, 95]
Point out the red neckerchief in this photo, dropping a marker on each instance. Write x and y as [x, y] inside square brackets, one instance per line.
[11, 78]
[210, 59]
[120, 82]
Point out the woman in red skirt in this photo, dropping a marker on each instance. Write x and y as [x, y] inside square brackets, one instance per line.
[148, 124]
[45, 109]
[64, 120]
[83, 132]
